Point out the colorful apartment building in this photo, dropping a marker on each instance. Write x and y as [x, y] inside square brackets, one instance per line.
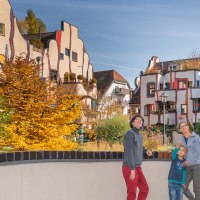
[64, 53]
[181, 85]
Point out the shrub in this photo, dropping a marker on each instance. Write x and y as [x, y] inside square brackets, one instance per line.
[112, 130]
[80, 77]
[73, 76]
[93, 80]
[197, 128]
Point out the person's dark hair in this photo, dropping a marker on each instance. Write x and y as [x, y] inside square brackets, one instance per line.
[133, 119]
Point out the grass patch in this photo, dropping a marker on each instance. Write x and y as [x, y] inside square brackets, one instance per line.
[103, 146]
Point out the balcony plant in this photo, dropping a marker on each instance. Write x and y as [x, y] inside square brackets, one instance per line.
[73, 77]
[93, 81]
[80, 78]
[66, 77]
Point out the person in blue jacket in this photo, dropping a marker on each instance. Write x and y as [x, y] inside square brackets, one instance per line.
[177, 174]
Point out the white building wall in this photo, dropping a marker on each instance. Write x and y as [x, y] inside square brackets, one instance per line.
[125, 99]
[5, 19]
[53, 55]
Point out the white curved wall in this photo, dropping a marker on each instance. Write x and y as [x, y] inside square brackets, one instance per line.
[77, 181]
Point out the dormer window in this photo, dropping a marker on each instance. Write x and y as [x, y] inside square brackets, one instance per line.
[173, 67]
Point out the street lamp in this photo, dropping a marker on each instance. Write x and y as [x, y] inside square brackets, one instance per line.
[164, 101]
[81, 132]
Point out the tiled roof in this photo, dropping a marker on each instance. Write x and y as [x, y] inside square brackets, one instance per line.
[163, 66]
[105, 78]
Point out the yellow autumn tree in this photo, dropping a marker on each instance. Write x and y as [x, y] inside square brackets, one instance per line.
[42, 113]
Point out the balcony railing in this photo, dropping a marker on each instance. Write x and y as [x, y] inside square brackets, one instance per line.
[121, 91]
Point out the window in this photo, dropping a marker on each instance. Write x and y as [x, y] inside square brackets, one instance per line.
[190, 84]
[67, 52]
[61, 56]
[161, 86]
[171, 107]
[135, 109]
[196, 105]
[93, 104]
[173, 67]
[183, 109]
[151, 89]
[2, 29]
[53, 75]
[146, 110]
[182, 84]
[153, 108]
[197, 84]
[74, 56]
[167, 86]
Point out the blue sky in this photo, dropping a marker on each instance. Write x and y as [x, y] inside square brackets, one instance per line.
[124, 34]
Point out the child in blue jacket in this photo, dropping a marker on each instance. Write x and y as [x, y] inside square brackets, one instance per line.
[177, 174]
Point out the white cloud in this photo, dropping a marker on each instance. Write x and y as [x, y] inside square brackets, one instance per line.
[118, 66]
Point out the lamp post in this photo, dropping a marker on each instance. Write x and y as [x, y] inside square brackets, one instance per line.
[81, 132]
[164, 101]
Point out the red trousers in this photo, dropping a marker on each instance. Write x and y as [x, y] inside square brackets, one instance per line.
[131, 185]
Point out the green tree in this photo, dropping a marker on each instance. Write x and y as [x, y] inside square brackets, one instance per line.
[112, 130]
[32, 25]
[197, 128]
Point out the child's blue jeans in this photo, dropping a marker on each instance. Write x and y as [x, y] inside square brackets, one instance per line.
[175, 191]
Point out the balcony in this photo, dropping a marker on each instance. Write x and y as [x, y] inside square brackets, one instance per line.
[81, 89]
[195, 93]
[121, 91]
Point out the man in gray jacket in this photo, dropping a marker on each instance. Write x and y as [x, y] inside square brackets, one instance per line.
[133, 157]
